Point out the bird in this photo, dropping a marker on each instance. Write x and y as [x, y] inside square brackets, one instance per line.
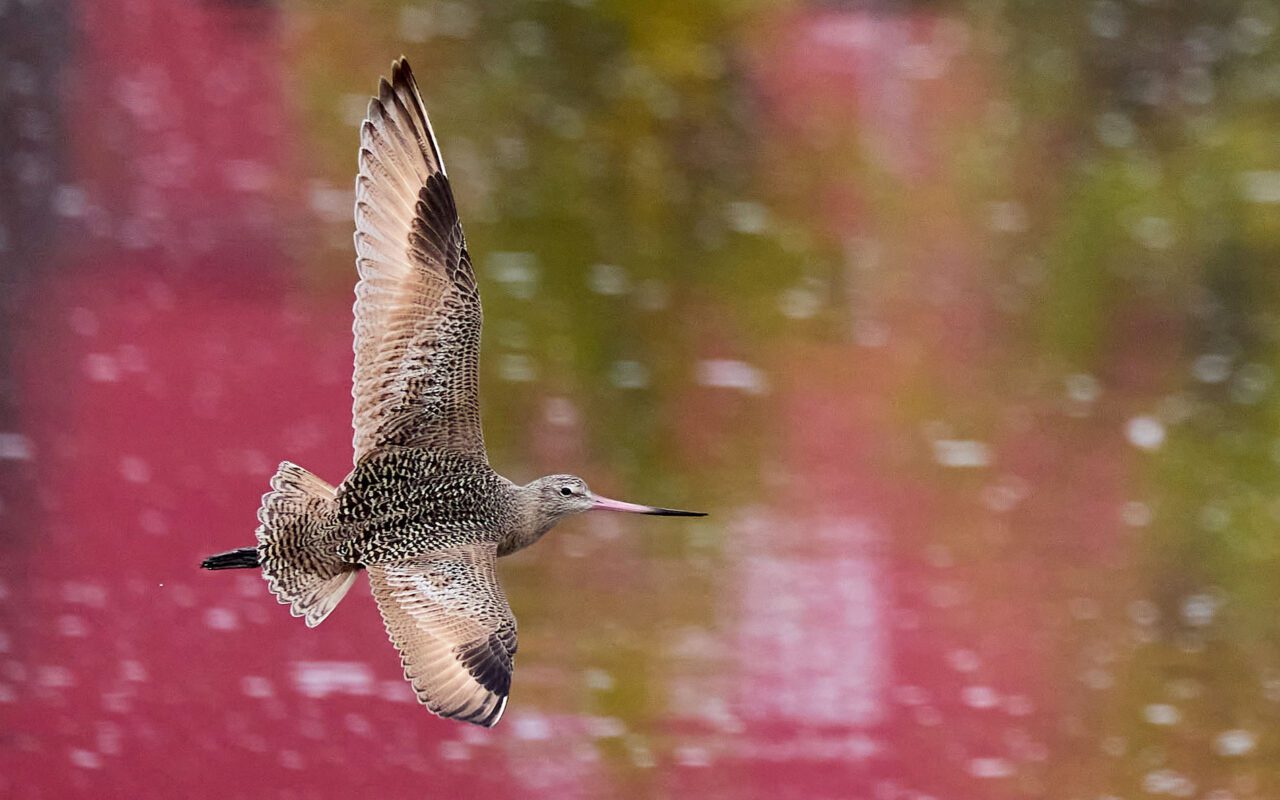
[422, 512]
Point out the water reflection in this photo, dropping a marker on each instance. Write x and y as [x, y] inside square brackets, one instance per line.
[960, 318]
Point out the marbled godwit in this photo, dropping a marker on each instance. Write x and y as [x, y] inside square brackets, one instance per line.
[422, 511]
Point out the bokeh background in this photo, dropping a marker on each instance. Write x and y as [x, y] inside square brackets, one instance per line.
[961, 318]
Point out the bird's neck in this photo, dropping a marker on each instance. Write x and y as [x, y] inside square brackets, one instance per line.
[531, 522]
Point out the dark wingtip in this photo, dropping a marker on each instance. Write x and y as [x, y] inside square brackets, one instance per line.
[401, 72]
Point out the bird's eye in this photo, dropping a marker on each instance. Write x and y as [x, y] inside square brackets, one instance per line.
[566, 491]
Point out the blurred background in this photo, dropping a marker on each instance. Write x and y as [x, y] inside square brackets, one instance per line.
[961, 318]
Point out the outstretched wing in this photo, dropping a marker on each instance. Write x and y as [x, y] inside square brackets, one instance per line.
[448, 617]
[417, 326]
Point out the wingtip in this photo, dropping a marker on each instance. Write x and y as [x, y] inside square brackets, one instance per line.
[497, 714]
[401, 72]
[488, 717]
[401, 90]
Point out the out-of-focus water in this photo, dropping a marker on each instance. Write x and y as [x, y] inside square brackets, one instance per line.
[961, 318]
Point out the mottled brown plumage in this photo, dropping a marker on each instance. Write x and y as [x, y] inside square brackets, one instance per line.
[422, 511]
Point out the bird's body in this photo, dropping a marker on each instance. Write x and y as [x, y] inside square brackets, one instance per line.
[422, 511]
[404, 502]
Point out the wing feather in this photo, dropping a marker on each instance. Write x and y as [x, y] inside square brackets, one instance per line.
[447, 615]
[417, 311]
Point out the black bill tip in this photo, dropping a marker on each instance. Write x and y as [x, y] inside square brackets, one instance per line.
[675, 512]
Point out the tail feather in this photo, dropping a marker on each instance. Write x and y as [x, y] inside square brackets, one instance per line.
[298, 544]
[243, 558]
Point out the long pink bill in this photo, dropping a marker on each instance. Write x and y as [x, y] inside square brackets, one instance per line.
[605, 504]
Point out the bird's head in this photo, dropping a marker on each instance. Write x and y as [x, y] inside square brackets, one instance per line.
[559, 496]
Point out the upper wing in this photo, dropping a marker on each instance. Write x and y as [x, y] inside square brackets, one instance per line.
[448, 617]
[417, 326]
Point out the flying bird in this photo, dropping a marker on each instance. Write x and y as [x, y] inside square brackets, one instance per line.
[422, 512]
